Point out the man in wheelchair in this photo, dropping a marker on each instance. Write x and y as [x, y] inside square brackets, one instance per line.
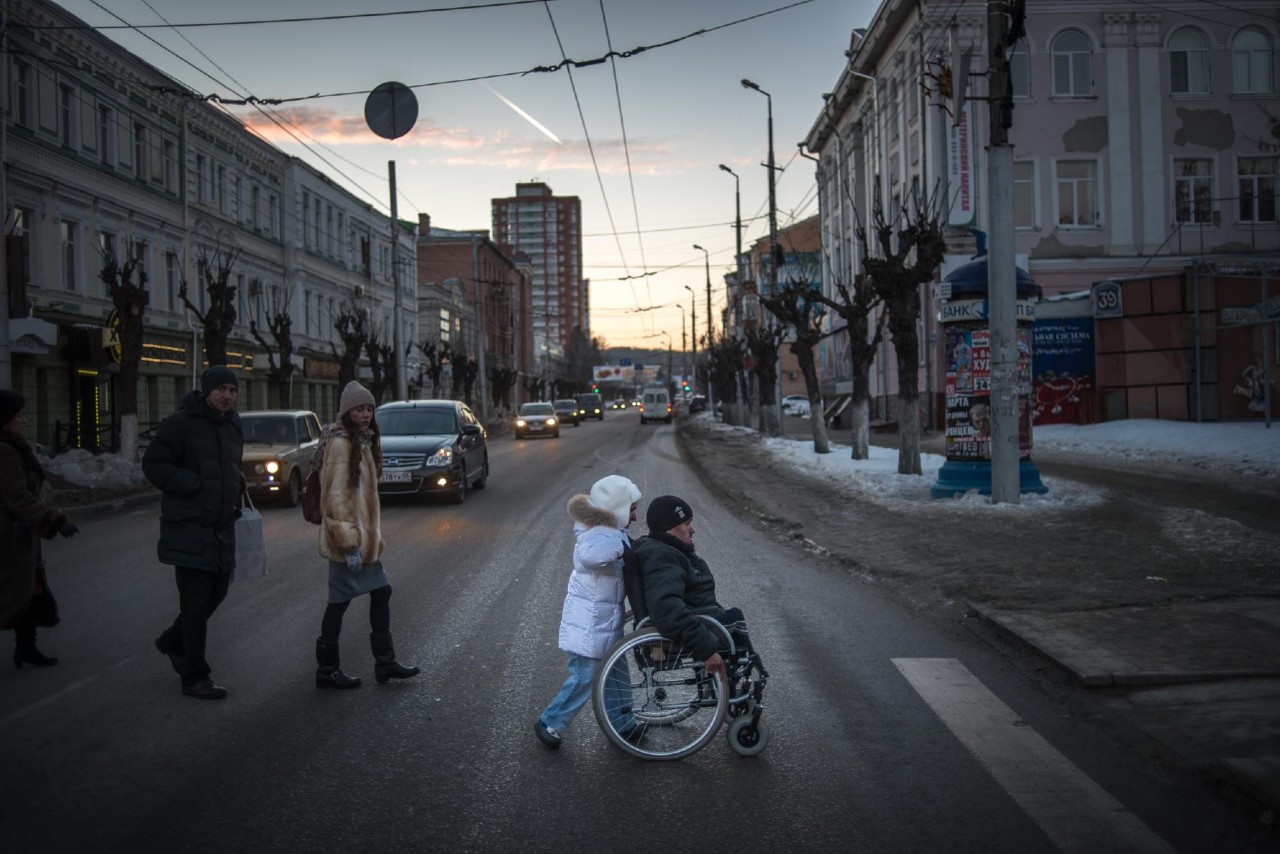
[678, 587]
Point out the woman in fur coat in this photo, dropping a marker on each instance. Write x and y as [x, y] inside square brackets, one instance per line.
[591, 620]
[25, 600]
[351, 539]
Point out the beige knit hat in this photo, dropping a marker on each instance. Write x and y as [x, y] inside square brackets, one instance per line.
[352, 396]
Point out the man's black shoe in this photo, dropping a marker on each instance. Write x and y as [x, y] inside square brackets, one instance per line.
[174, 659]
[546, 734]
[205, 690]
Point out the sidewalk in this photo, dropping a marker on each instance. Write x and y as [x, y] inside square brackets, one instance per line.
[1200, 677]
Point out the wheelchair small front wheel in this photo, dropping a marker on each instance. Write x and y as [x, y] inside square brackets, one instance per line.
[747, 738]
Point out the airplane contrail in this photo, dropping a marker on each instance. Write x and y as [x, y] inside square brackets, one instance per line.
[528, 118]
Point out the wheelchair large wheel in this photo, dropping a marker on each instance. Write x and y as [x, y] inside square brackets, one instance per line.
[654, 700]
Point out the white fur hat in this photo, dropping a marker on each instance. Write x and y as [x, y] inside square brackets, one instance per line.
[615, 494]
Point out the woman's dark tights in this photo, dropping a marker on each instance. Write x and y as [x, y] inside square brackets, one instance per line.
[379, 615]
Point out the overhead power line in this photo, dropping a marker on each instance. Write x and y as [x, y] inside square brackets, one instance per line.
[300, 20]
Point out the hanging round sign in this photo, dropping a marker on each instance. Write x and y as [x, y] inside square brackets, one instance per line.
[391, 110]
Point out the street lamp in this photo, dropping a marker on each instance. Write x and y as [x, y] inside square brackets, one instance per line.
[773, 199]
[706, 257]
[693, 328]
[737, 206]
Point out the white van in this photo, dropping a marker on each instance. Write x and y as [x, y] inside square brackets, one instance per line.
[655, 405]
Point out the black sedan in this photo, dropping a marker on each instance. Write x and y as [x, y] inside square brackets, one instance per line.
[432, 446]
[537, 419]
[568, 412]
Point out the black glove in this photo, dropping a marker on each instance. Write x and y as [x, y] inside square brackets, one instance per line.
[68, 529]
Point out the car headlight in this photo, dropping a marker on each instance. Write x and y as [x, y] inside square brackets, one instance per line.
[272, 467]
[442, 457]
[551, 422]
[520, 422]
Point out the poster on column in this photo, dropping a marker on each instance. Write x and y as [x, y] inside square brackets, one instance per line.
[968, 414]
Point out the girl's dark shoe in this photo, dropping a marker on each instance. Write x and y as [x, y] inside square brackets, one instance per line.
[384, 653]
[328, 673]
[28, 654]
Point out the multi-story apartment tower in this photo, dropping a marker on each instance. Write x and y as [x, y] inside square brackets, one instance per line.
[547, 229]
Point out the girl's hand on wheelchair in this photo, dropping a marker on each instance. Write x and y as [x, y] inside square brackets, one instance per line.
[715, 665]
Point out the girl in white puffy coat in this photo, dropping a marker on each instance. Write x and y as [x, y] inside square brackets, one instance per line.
[591, 620]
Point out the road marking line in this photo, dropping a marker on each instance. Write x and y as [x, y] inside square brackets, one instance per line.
[1075, 812]
[74, 686]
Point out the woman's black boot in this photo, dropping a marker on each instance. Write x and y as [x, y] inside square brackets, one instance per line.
[384, 653]
[26, 653]
[328, 673]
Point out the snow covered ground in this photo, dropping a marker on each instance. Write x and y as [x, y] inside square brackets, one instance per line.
[1245, 449]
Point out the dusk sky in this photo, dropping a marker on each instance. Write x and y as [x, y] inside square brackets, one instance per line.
[644, 203]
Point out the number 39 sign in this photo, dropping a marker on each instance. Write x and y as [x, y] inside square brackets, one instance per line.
[1107, 301]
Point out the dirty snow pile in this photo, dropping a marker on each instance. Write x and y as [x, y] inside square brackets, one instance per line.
[95, 471]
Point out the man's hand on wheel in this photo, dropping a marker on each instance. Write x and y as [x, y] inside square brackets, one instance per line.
[715, 665]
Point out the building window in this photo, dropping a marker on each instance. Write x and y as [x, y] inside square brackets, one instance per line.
[106, 136]
[66, 116]
[1257, 180]
[170, 165]
[1024, 194]
[22, 93]
[1188, 63]
[220, 189]
[140, 151]
[1072, 65]
[1193, 191]
[107, 244]
[255, 202]
[1020, 70]
[273, 216]
[1251, 70]
[1077, 197]
[237, 202]
[171, 279]
[202, 179]
[70, 256]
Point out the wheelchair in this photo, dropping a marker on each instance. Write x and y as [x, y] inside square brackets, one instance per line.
[653, 699]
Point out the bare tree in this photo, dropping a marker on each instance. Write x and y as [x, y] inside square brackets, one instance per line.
[280, 367]
[724, 360]
[350, 325]
[437, 356]
[899, 255]
[864, 336]
[381, 365]
[127, 287]
[501, 381]
[797, 306]
[762, 344]
[536, 388]
[220, 317]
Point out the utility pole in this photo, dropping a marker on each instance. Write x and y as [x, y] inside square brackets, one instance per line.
[1001, 277]
[397, 343]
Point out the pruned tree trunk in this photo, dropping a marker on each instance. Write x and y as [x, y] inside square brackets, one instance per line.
[220, 317]
[127, 287]
[909, 249]
[855, 307]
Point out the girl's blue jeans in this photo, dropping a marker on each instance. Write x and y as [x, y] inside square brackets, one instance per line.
[576, 691]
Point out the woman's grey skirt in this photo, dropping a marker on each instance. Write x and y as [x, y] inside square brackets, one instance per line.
[345, 585]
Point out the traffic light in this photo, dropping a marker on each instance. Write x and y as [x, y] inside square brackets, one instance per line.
[595, 389]
[684, 386]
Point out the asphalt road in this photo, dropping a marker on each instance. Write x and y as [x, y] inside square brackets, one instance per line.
[890, 731]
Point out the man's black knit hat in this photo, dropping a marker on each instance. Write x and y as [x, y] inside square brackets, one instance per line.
[666, 512]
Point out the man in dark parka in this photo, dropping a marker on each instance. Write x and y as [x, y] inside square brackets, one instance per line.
[195, 461]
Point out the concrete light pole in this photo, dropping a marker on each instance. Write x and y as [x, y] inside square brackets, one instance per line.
[775, 254]
[707, 258]
[737, 220]
[693, 332]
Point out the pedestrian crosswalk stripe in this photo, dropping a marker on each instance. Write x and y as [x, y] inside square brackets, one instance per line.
[1074, 811]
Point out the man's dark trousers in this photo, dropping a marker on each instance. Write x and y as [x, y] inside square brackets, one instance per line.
[200, 592]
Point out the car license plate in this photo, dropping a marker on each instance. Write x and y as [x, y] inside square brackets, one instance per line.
[535, 427]
[395, 477]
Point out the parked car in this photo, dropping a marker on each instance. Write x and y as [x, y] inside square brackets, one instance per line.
[432, 446]
[655, 405]
[567, 411]
[277, 449]
[796, 404]
[591, 405]
[697, 403]
[537, 419]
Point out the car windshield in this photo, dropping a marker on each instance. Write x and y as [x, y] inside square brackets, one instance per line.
[536, 409]
[565, 404]
[276, 429]
[416, 422]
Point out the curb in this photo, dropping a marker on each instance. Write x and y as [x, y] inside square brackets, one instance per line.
[114, 505]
